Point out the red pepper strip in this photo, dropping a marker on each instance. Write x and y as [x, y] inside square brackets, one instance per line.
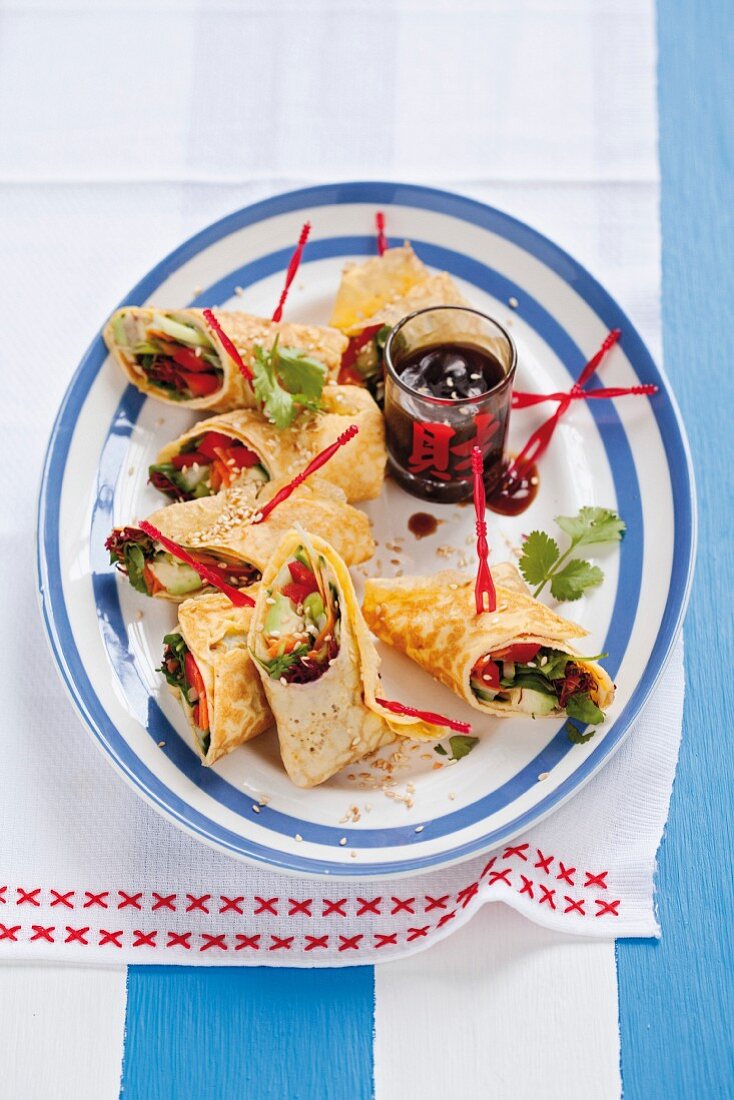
[292, 269]
[382, 244]
[425, 715]
[228, 345]
[521, 400]
[356, 344]
[315, 464]
[239, 599]
[484, 585]
[540, 439]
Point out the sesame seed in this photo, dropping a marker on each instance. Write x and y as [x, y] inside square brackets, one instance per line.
[542, 776]
[419, 828]
[513, 303]
[343, 841]
[161, 744]
[255, 808]
[353, 855]
[452, 795]
[298, 837]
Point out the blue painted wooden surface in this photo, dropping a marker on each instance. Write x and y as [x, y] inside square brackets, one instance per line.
[251, 1034]
[677, 997]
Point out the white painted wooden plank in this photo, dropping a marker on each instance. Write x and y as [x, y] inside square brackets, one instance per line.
[62, 1032]
[504, 1010]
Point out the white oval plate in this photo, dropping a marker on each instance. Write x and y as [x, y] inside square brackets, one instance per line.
[630, 455]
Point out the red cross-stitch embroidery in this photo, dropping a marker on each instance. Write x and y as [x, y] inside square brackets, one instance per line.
[544, 862]
[610, 907]
[231, 904]
[465, 896]
[281, 943]
[417, 933]
[164, 901]
[518, 851]
[96, 899]
[334, 907]
[574, 906]
[547, 895]
[446, 918]
[402, 905]
[367, 906]
[197, 903]
[316, 941]
[28, 897]
[109, 937]
[129, 900]
[300, 907]
[179, 939]
[597, 880]
[350, 942]
[41, 933]
[501, 876]
[430, 452]
[527, 886]
[436, 903]
[3, 899]
[62, 899]
[386, 939]
[488, 866]
[208, 940]
[266, 905]
[144, 939]
[77, 935]
[247, 941]
[9, 932]
[566, 873]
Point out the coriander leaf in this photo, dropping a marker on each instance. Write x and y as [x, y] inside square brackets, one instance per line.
[571, 582]
[461, 745]
[555, 666]
[135, 564]
[575, 736]
[539, 553]
[301, 375]
[592, 525]
[277, 402]
[583, 708]
[440, 750]
[276, 667]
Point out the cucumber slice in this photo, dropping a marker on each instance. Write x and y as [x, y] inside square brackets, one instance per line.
[177, 330]
[118, 329]
[179, 579]
[281, 618]
[536, 702]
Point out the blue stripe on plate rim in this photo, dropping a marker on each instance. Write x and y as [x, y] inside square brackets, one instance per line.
[53, 607]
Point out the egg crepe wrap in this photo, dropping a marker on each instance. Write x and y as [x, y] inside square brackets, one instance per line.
[214, 632]
[516, 660]
[368, 286]
[175, 356]
[244, 445]
[221, 533]
[318, 663]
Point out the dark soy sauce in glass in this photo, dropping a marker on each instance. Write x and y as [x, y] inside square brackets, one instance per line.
[451, 371]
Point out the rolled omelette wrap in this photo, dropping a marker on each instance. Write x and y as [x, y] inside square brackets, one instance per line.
[318, 664]
[516, 660]
[219, 532]
[242, 446]
[175, 356]
[208, 667]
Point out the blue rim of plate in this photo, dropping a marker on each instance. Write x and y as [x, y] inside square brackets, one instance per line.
[54, 612]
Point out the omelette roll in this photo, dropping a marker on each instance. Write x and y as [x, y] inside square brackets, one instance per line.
[318, 663]
[220, 532]
[208, 667]
[516, 660]
[242, 446]
[175, 356]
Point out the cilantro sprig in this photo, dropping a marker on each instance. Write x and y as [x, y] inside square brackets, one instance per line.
[461, 745]
[286, 380]
[542, 561]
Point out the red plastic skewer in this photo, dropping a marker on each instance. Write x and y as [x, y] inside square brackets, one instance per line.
[382, 244]
[290, 274]
[484, 585]
[522, 400]
[240, 599]
[540, 439]
[315, 464]
[425, 715]
[228, 345]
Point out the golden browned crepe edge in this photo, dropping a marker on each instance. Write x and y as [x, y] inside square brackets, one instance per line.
[369, 285]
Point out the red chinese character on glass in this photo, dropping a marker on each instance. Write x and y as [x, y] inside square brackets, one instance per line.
[430, 452]
[487, 427]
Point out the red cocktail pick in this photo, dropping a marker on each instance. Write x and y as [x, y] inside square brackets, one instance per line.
[522, 400]
[425, 715]
[292, 269]
[315, 464]
[228, 345]
[484, 585]
[541, 437]
[240, 599]
[382, 244]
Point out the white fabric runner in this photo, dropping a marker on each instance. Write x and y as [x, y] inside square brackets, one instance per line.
[149, 122]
